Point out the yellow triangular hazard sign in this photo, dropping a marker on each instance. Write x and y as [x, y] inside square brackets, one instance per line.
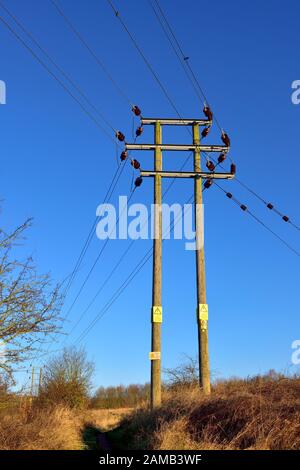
[203, 312]
[157, 314]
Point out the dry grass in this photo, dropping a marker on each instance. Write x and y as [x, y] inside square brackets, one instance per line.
[57, 428]
[105, 420]
[259, 413]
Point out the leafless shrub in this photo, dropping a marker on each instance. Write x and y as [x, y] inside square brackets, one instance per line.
[67, 379]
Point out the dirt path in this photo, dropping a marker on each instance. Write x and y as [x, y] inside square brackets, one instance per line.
[97, 423]
[103, 442]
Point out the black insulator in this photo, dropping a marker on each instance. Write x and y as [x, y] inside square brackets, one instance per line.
[270, 206]
[138, 181]
[210, 165]
[243, 207]
[139, 131]
[136, 110]
[285, 218]
[233, 169]
[208, 113]
[120, 136]
[205, 131]
[135, 164]
[225, 139]
[229, 195]
[221, 157]
[208, 183]
[123, 155]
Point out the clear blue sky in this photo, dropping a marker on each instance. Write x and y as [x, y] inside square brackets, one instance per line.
[56, 166]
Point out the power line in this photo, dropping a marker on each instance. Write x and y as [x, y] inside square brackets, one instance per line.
[40, 61]
[245, 209]
[81, 106]
[95, 263]
[89, 238]
[122, 257]
[71, 94]
[60, 69]
[148, 64]
[117, 173]
[269, 205]
[148, 255]
[183, 64]
[184, 60]
[125, 284]
[91, 51]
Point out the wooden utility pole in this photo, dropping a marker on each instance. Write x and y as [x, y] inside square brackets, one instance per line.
[197, 175]
[202, 308]
[32, 383]
[156, 314]
[40, 379]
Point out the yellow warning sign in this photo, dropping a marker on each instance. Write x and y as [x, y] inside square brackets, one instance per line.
[154, 355]
[157, 314]
[203, 312]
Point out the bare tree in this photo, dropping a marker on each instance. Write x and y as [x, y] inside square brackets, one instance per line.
[183, 375]
[67, 379]
[29, 305]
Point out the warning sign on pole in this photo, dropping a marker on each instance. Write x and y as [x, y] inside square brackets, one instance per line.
[157, 314]
[203, 312]
[154, 355]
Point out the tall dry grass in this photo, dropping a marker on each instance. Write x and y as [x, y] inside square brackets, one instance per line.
[259, 413]
[54, 428]
[40, 429]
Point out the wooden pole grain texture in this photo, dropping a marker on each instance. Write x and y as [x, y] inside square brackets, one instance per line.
[157, 273]
[204, 372]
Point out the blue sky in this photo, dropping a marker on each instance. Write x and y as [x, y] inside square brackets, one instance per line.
[57, 165]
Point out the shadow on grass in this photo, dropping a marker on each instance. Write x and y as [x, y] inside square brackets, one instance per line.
[89, 437]
[93, 439]
[124, 437]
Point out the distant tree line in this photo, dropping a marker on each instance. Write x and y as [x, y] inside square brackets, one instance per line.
[121, 396]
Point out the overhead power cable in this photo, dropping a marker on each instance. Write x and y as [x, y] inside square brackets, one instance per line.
[91, 233]
[244, 208]
[184, 60]
[119, 170]
[59, 68]
[56, 78]
[269, 205]
[95, 262]
[117, 173]
[91, 52]
[118, 263]
[148, 64]
[200, 95]
[126, 283]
